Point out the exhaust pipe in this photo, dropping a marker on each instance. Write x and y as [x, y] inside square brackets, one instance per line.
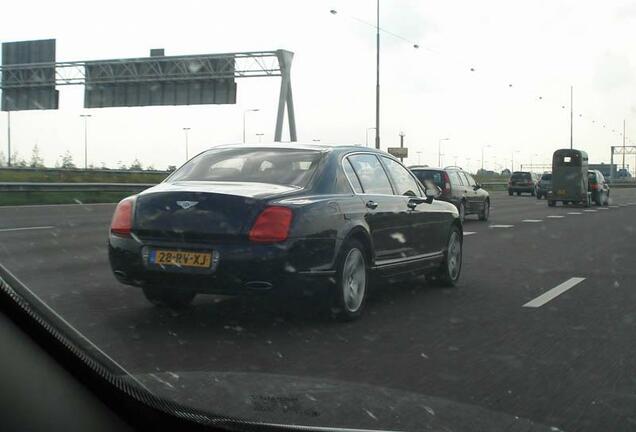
[258, 285]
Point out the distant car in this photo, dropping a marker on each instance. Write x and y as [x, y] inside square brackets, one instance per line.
[599, 187]
[544, 185]
[286, 220]
[458, 187]
[522, 182]
[623, 173]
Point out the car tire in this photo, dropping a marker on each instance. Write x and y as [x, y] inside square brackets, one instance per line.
[485, 212]
[551, 203]
[450, 270]
[462, 211]
[538, 196]
[518, 193]
[352, 282]
[171, 297]
[606, 202]
[510, 192]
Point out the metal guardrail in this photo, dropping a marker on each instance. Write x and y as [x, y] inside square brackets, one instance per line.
[501, 185]
[73, 187]
[138, 187]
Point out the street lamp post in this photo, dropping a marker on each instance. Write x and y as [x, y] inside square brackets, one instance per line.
[419, 158]
[9, 138]
[260, 136]
[571, 116]
[367, 136]
[377, 71]
[245, 112]
[482, 156]
[439, 151]
[532, 161]
[512, 160]
[185, 130]
[377, 77]
[85, 117]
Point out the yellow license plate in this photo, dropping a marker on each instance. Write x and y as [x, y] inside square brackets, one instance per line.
[180, 258]
[561, 192]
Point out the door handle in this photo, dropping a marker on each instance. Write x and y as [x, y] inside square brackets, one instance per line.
[372, 205]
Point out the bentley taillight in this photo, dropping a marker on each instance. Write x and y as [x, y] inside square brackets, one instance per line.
[272, 225]
[121, 224]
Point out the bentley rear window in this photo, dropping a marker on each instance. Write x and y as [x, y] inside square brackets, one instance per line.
[288, 167]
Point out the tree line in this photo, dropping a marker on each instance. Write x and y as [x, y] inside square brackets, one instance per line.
[65, 161]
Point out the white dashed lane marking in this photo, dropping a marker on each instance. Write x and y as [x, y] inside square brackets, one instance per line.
[500, 226]
[467, 233]
[555, 216]
[574, 213]
[26, 228]
[590, 211]
[532, 220]
[554, 292]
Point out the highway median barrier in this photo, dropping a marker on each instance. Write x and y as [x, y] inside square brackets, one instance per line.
[28, 193]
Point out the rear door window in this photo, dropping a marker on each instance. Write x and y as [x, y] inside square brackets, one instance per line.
[426, 175]
[351, 175]
[403, 181]
[372, 176]
[521, 176]
[455, 180]
[468, 180]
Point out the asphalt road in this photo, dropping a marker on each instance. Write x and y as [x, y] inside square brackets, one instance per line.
[569, 362]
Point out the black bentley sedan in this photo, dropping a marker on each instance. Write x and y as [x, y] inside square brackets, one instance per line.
[285, 219]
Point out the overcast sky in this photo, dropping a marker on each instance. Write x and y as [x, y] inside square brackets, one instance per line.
[540, 47]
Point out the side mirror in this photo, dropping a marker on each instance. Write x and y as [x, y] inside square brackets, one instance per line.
[432, 193]
[477, 186]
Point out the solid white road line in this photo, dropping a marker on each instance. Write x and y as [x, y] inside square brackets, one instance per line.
[531, 220]
[554, 292]
[55, 205]
[26, 228]
[555, 216]
[467, 233]
[575, 213]
[500, 226]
